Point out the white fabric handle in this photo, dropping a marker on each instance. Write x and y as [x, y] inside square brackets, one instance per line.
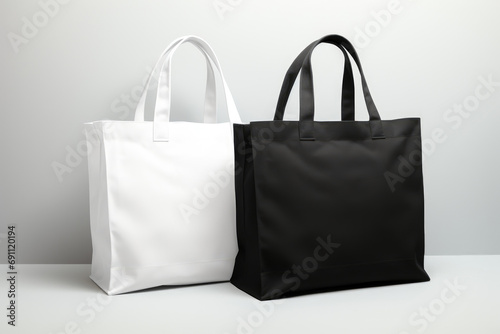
[162, 109]
[210, 100]
[163, 92]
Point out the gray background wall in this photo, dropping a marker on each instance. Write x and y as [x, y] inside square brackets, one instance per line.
[86, 61]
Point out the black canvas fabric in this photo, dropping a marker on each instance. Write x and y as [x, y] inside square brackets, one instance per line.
[327, 205]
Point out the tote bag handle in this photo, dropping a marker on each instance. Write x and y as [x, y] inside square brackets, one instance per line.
[306, 124]
[163, 91]
[348, 100]
[210, 103]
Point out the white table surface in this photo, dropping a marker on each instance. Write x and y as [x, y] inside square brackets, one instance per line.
[62, 299]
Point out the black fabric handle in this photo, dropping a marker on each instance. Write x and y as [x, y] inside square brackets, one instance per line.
[306, 120]
[306, 82]
[306, 88]
[292, 73]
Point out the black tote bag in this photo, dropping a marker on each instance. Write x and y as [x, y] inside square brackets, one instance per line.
[327, 205]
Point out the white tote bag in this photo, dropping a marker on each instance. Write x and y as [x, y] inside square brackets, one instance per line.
[162, 207]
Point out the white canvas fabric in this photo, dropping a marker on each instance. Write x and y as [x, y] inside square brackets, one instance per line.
[162, 206]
